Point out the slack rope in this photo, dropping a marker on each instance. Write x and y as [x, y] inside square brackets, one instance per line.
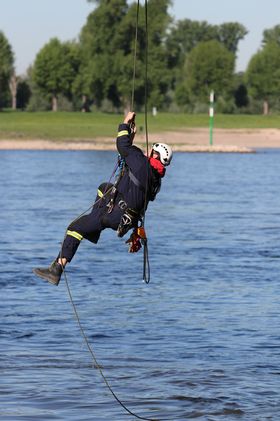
[92, 353]
[146, 260]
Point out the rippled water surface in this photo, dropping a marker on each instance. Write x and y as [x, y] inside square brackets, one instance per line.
[201, 341]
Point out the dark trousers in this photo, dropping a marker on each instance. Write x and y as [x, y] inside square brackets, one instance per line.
[90, 226]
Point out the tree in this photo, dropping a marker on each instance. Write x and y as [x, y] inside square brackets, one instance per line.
[263, 75]
[6, 68]
[99, 50]
[186, 34]
[271, 35]
[23, 93]
[209, 66]
[55, 69]
[107, 47]
[229, 34]
[241, 96]
[13, 83]
[240, 91]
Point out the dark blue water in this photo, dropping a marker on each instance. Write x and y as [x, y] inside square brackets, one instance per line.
[201, 341]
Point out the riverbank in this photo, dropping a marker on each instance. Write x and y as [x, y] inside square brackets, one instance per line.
[189, 140]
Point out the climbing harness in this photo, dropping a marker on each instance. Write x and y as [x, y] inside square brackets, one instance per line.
[111, 190]
[129, 219]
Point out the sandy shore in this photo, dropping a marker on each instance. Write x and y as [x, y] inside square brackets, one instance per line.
[192, 140]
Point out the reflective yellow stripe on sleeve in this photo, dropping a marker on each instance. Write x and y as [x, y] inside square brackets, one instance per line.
[123, 133]
[75, 235]
[99, 193]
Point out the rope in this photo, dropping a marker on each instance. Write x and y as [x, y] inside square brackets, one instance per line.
[134, 57]
[146, 261]
[146, 78]
[90, 349]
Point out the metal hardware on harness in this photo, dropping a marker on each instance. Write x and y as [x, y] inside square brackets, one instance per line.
[124, 225]
[122, 205]
[110, 206]
[128, 220]
[111, 203]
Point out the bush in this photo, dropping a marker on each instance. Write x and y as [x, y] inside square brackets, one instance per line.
[38, 103]
[200, 108]
[64, 104]
[224, 106]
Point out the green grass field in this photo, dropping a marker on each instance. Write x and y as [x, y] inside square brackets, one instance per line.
[70, 125]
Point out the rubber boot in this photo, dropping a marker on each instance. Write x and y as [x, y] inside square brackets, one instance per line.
[52, 274]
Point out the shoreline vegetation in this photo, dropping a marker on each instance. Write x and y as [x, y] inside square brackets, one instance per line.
[97, 131]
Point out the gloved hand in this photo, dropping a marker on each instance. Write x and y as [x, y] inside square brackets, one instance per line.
[133, 129]
[134, 242]
[130, 118]
[136, 239]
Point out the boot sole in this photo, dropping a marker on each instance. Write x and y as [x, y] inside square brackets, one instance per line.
[45, 277]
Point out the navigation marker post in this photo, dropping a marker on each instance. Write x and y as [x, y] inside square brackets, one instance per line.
[211, 116]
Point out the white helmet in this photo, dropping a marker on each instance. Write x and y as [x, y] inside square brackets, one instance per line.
[164, 151]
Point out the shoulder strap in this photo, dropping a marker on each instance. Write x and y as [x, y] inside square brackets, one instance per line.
[135, 181]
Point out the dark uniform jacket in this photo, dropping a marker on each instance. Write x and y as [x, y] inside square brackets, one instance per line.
[138, 176]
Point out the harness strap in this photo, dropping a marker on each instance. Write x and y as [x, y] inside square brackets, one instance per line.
[136, 181]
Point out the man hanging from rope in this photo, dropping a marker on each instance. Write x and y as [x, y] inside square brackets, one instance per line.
[119, 206]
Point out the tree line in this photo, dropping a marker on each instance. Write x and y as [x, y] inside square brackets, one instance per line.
[186, 60]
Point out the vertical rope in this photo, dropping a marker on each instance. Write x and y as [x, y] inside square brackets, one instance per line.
[134, 58]
[146, 77]
[146, 264]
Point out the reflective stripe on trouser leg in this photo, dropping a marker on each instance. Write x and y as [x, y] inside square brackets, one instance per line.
[70, 246]
[75, 234]
[87, 226]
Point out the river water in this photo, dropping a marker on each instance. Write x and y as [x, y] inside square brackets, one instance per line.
[201, 341]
